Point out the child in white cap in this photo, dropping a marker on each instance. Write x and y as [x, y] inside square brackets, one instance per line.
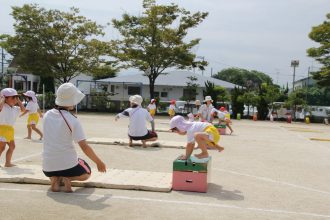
[8, 115]
[32, 108]
[204, 111]
[171, 108]
[138, 116]
[204, 133]
[152, 107]
[61, 128]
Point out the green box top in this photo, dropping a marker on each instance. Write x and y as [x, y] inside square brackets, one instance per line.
[220, 126]
[193, 164]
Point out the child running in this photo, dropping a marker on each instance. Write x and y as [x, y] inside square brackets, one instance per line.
[227, 118]
[137, 129]
[34, 112]
[152, 108]
[205, 134]
[8, 115]
[60, 160]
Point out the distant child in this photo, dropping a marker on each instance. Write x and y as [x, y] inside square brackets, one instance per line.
[227, 118]
[60, 160]
[152, 108]
[204, 111]
[220, 115]
[171, 109]
[8, 115]
[138, 116]
[34, 112]
[204, 133]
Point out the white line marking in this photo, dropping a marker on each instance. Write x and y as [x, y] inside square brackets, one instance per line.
[273, 181]
[26, 157]
[181, 202]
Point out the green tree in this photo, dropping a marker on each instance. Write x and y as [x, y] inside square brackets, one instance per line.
[154, 41]
[237, 103]
[56, 44]
[249, 98]
[321, 35]
[190, 91]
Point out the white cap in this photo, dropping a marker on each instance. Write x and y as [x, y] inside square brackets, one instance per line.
[68, 95]
[8, 92]
[197, 102]
[208, 98]
[136, 99]
[31, 94]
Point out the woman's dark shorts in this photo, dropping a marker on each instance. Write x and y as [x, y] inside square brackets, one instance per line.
[81, 168]
[149, 135]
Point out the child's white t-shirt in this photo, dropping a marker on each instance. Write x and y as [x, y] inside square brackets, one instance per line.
[32, 107]
[196, 127]
[172, 107]
[58, 148]
[137, 121]
[8, 114]
[220, 114]
[152, 106]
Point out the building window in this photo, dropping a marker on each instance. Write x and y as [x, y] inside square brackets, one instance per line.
[164, 94]
[133, 90]
[35, 86]
[18, 85]
[112, 88]
[156, 94]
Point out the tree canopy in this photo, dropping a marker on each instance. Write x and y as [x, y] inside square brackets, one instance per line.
[321, 35]
[248, 79]
[56, 44]
[154, 41]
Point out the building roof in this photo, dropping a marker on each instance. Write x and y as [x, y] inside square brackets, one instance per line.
[173, 78]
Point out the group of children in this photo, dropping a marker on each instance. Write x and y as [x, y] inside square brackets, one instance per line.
[61, 128]
[60, 160]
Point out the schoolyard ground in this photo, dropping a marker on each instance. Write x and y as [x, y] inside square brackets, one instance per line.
[267, 171]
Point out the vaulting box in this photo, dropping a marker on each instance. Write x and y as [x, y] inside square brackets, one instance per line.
[221, 128]
[191, 175]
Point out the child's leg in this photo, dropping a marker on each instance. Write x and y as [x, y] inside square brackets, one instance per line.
[201, 139]
[55, 183]
[2, 147]
[29, 132]
[9, 154]
[67, 181]
[231, 130]
[36, 130]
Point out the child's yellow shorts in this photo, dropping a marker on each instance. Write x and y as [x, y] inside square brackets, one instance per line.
[33, 119]
[6, 133]
[171, 112]
[152, 112]
[213, 132]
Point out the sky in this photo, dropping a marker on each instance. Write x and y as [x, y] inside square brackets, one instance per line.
[262, 35]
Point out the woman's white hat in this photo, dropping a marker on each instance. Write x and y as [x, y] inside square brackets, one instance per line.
[208, 98]
[68, 95]
[8, 92]
[136, 99]
[31, 94]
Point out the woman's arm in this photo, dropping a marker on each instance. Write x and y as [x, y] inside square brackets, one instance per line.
[91, 154]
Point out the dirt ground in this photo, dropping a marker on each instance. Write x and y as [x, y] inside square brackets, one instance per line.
[267, 171]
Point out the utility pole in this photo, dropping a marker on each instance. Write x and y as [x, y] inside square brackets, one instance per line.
[307, 85]
[294, 64]
[2, 60]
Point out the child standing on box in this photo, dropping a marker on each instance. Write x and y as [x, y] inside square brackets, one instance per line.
[137, 129]
[227, 118]
[171, 109]
[8, 115]
[61, 128]
[34, 112]
[152, 108]
[205, 134]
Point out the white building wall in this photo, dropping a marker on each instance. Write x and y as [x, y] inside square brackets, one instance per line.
[84, 83]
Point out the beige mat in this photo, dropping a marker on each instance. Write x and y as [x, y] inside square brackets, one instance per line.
[113, 178]
[124, 142]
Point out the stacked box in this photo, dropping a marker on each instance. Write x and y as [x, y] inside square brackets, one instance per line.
[221, 128]
[191, 175]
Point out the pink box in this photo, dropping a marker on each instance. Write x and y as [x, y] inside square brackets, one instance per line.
[189, 181]
[222, 131]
